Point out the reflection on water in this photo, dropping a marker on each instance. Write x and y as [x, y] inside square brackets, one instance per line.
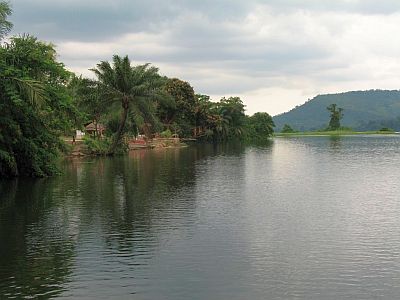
[52, 230]
[303, 218]
[335, 142]
[37, 240]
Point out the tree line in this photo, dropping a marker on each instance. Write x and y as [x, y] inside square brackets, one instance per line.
[41, 101]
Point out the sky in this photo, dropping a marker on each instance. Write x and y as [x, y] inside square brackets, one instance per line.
[273, 54]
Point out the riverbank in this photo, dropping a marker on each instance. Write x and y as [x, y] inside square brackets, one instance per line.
[80, 148]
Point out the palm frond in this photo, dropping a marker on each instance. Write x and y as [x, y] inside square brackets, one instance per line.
[33, 90]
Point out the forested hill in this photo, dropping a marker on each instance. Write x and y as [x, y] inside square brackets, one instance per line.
[363, 110]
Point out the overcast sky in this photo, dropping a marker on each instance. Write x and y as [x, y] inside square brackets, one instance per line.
[273, 54]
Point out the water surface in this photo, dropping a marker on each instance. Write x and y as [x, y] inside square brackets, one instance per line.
[300, 218]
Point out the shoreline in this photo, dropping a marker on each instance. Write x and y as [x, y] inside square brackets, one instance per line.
[334, 133]
[80, 150]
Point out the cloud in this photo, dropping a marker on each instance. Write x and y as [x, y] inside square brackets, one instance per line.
[102, 20]
[274, 54]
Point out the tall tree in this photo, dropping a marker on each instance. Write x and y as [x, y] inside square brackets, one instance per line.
[5, 25]
[135, 88]
[88, 97]
[201, 115]
[232, 110]
[336, 116]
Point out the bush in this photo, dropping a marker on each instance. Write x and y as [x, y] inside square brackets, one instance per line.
[96, 146]
[386, 129]
[166, 134]
[287, 129]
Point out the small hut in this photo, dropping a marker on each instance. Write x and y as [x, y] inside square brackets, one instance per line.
[95, 129]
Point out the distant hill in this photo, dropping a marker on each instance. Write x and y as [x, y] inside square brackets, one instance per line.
[363, 110]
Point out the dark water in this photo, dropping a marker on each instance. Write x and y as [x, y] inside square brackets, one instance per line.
[301, 218]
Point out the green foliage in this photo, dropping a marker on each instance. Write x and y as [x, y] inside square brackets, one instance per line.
[35, 107]
[259, 126]
[88, 97]
[5, 25]
[112, 124]
[97, 146]
[226, 119]
[336, 116]
[232, 109]
[181, 111]
[385, 129]
[166, 134]
[287, 129]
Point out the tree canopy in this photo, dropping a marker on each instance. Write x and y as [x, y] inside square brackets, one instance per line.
[35, 107]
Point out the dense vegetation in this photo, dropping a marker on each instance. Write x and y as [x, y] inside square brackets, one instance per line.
[40, 102]
[35, 108]
[364, 110]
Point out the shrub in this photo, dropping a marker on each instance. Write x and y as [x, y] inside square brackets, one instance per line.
[386, 129]
[287, 129]
[97, 146]
[166, 134]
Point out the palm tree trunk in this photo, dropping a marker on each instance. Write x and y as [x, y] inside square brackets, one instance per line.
[118, 135]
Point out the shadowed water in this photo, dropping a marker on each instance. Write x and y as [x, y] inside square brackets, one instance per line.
[300, 218]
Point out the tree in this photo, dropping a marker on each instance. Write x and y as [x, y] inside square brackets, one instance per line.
[201, 115]
[260, 126]
[135, 88]
[287, 129]
[231, 114]
[336, 116]
[5, 25]
[35, 107]
[221, 120]
[88, 97]
[182, 112]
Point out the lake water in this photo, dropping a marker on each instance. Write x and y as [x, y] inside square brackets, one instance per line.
[300, 218]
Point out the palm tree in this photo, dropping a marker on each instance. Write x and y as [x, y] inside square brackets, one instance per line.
[135, 88]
